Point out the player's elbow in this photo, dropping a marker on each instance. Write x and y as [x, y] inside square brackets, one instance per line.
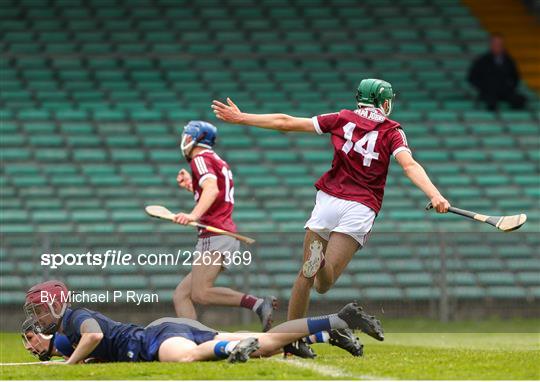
[287, 122]
[211, 189]
[410, 166]
[94, 337]
[214, 195]
[283, 122]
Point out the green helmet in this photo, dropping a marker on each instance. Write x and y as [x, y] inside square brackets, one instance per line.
[374, 92]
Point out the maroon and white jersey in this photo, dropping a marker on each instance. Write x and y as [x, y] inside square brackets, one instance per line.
[363, 140]
[207, 164]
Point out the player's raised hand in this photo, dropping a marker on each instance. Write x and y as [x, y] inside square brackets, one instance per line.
[228, 113]
[184, 180]
[440, 204]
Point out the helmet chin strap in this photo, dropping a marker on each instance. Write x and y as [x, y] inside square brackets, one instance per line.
[48, 354]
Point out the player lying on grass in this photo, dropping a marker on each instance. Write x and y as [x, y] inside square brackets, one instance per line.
[93, 335]
[350, 194]
[211, 181]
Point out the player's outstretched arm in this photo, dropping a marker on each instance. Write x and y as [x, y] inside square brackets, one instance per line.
[416, 173]
[91, 336]
[231, 113]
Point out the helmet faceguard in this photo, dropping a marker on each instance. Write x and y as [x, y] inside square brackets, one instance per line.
[39, 345]
[45, 306]
[186, 145]
[376, 93]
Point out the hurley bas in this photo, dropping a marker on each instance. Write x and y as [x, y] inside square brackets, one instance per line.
[128, 296]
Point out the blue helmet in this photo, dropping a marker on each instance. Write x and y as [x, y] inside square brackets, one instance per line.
[202, 134]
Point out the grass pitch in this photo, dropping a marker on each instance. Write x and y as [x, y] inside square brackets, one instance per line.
[466, 350]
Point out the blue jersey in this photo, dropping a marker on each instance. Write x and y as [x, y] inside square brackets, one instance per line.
[120, 343]
[128, 342]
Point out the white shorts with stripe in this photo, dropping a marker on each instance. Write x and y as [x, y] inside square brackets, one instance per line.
[332, 214]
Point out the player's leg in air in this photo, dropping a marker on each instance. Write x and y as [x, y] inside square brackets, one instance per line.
[336, 230]
[211, 181]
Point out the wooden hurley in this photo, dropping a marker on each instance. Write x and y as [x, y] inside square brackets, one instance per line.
[504, 223]
[161, 212]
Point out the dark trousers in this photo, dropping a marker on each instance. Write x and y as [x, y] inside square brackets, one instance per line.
[491, 97]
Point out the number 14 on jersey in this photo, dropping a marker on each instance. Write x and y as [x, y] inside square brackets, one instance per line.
[365, 146]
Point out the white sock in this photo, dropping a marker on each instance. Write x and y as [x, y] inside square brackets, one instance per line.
[230, 346]
[325, 337]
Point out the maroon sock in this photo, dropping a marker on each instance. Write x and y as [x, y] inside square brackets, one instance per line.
[248, 301]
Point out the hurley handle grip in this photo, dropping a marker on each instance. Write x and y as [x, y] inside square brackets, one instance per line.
[455, 210]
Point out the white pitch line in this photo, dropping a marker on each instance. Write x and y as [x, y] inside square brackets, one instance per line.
[328, 371]
[29, 363]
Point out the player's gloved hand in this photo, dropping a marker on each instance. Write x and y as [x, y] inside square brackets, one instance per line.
[228, 113]
[184, 219]
[440, 204]
[184, 180]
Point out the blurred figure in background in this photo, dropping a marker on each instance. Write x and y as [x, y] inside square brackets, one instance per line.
[495, 76]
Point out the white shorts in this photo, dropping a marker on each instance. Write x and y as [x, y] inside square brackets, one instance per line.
[225, 245]
[332, 214]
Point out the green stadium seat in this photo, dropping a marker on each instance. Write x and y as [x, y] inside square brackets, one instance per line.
[12, 283]
[511, 292]
[492, 180]
[527, 278]
[11, 297]
[467, 292]
[410, 279]
[506, 156]
[90, 216]
[90, 282]
[288, 215]
[382, 293]
[421, 293]
[484, 264]
[442, 116]
[529, 264]
[470, 156]
[496, 278]
[461, 278]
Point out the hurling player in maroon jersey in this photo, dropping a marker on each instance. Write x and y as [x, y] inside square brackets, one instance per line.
[350, 193]
[211, 181]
